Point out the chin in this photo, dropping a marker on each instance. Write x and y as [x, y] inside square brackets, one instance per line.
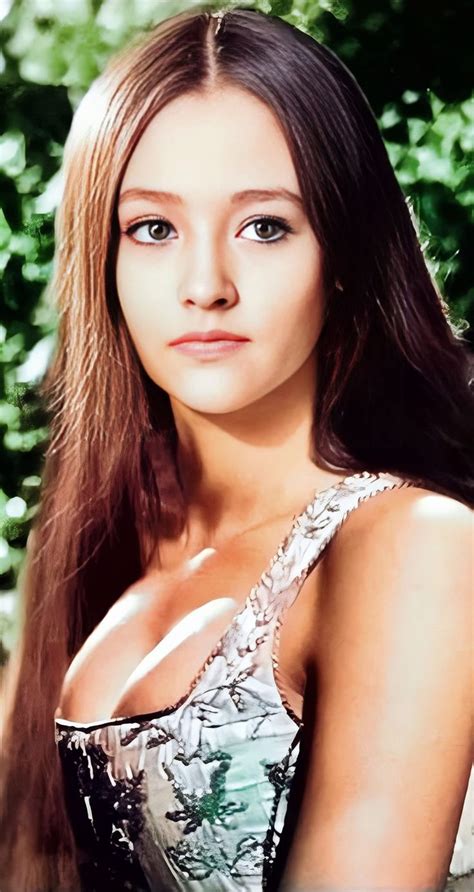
[217, 404]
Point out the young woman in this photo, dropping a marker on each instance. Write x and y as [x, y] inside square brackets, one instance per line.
[246, 595]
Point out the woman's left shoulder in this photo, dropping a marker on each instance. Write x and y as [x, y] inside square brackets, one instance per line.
[390, 747]
[403, 539]
[408, 514]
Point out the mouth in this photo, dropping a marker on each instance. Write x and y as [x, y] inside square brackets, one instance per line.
[215, 334]
[210, 349]
[209, 344]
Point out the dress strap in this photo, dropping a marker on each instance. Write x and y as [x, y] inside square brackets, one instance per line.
[311, 533]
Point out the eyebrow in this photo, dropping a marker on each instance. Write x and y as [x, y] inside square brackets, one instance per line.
[236, 198]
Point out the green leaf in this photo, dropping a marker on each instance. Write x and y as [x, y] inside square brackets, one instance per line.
[12, 152]
[281, 7]
[5, 231]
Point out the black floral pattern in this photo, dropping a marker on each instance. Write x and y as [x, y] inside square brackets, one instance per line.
[107, 819]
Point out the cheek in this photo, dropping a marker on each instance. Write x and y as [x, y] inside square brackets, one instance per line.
[137, 298]
[302, 304]
[295, 323]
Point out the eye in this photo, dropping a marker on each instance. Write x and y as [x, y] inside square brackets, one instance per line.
[277, 222]
[154, 228]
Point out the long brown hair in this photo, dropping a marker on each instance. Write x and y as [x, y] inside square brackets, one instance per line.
[393, 372]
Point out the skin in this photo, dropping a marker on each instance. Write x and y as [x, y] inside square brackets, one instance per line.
[244, 419]
[390, 607]
[391, 750]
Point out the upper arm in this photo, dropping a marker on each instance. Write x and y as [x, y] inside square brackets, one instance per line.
[390, 750]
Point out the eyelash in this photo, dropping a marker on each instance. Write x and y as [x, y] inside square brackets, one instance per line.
[287, 228]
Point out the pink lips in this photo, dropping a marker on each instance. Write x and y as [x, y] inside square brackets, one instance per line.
[209, 344]
[216, 334]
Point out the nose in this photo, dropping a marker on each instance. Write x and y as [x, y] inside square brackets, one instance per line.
[207, 283]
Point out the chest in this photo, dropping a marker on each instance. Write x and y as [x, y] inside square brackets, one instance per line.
[147, 652]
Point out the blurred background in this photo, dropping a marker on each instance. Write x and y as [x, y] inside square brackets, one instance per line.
[412, 61]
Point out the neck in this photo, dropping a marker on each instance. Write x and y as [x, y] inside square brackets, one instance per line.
[242, 468]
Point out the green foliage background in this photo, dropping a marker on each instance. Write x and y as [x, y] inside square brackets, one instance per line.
[411, 60]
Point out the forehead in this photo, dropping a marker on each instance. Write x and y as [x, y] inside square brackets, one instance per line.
[215, 143]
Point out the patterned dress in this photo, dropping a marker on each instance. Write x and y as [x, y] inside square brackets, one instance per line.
[194, 796]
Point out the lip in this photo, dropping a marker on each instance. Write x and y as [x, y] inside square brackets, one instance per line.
[211, 349]
[216, 334]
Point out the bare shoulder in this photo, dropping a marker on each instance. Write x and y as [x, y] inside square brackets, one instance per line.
[403, 530]
[400, 569]
[391, 509]
[391, 750]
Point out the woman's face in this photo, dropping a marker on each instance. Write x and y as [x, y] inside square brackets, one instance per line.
[205, 259]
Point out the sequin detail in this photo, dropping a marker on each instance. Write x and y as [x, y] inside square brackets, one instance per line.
[195, 796]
